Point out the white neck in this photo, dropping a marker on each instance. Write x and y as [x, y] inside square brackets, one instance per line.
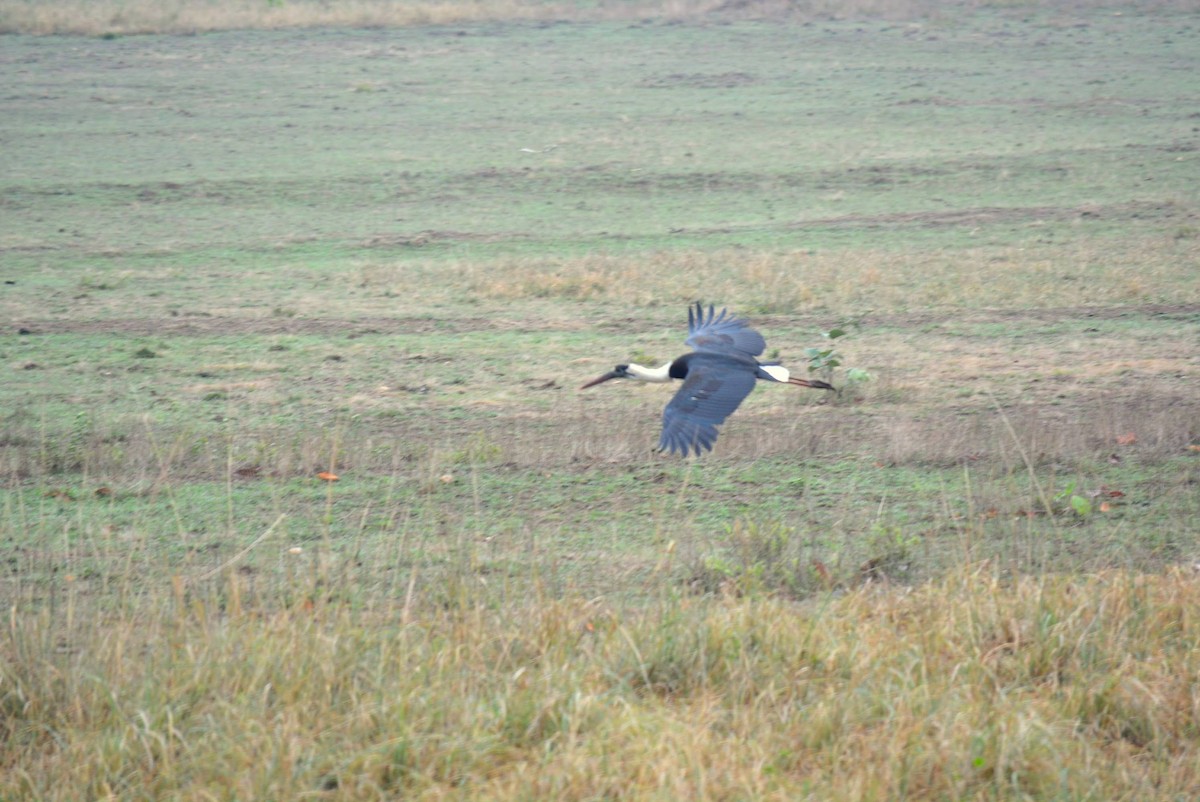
[640, 373]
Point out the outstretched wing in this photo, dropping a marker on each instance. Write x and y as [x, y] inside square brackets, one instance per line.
[713, 332]
[707, 397]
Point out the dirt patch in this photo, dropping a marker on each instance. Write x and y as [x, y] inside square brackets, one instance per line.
[700, 80]
[423, 238]
[984, 215]
[234, 327]
[1187, 313]
[1182, 312]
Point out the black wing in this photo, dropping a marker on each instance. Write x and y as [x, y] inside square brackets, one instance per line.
[719, 333]
[709, 395]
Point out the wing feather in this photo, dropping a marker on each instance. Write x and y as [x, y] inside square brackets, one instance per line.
[707, 397]
[708, 331]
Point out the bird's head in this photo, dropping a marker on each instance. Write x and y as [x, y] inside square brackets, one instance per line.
[619, 372]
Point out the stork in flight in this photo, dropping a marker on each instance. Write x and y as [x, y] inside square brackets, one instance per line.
[717, 377]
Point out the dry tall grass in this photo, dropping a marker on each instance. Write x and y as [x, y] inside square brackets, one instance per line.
[180, 16]
[758, 282]
[124, 17]
[968, 688]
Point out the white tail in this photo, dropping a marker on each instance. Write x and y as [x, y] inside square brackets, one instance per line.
[777, 372]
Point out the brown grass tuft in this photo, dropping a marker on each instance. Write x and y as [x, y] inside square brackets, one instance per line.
[779, 282]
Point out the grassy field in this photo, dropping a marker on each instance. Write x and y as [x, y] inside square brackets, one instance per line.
[234, 262]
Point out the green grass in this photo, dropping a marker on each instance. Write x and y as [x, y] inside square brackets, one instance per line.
[657, 153]
[233, 262]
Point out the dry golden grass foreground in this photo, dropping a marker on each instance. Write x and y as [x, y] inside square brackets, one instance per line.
[970, 687]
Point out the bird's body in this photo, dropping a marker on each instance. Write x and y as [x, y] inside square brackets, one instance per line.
[717, 377]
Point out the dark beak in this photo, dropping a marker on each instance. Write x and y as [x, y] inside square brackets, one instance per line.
[612, 374]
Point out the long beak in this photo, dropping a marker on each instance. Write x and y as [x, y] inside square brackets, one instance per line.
[612, 374]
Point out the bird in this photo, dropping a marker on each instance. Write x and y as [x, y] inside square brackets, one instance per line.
[717, 376]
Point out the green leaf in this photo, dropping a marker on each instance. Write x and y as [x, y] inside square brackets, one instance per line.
[1081, 505]
[857, 376]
